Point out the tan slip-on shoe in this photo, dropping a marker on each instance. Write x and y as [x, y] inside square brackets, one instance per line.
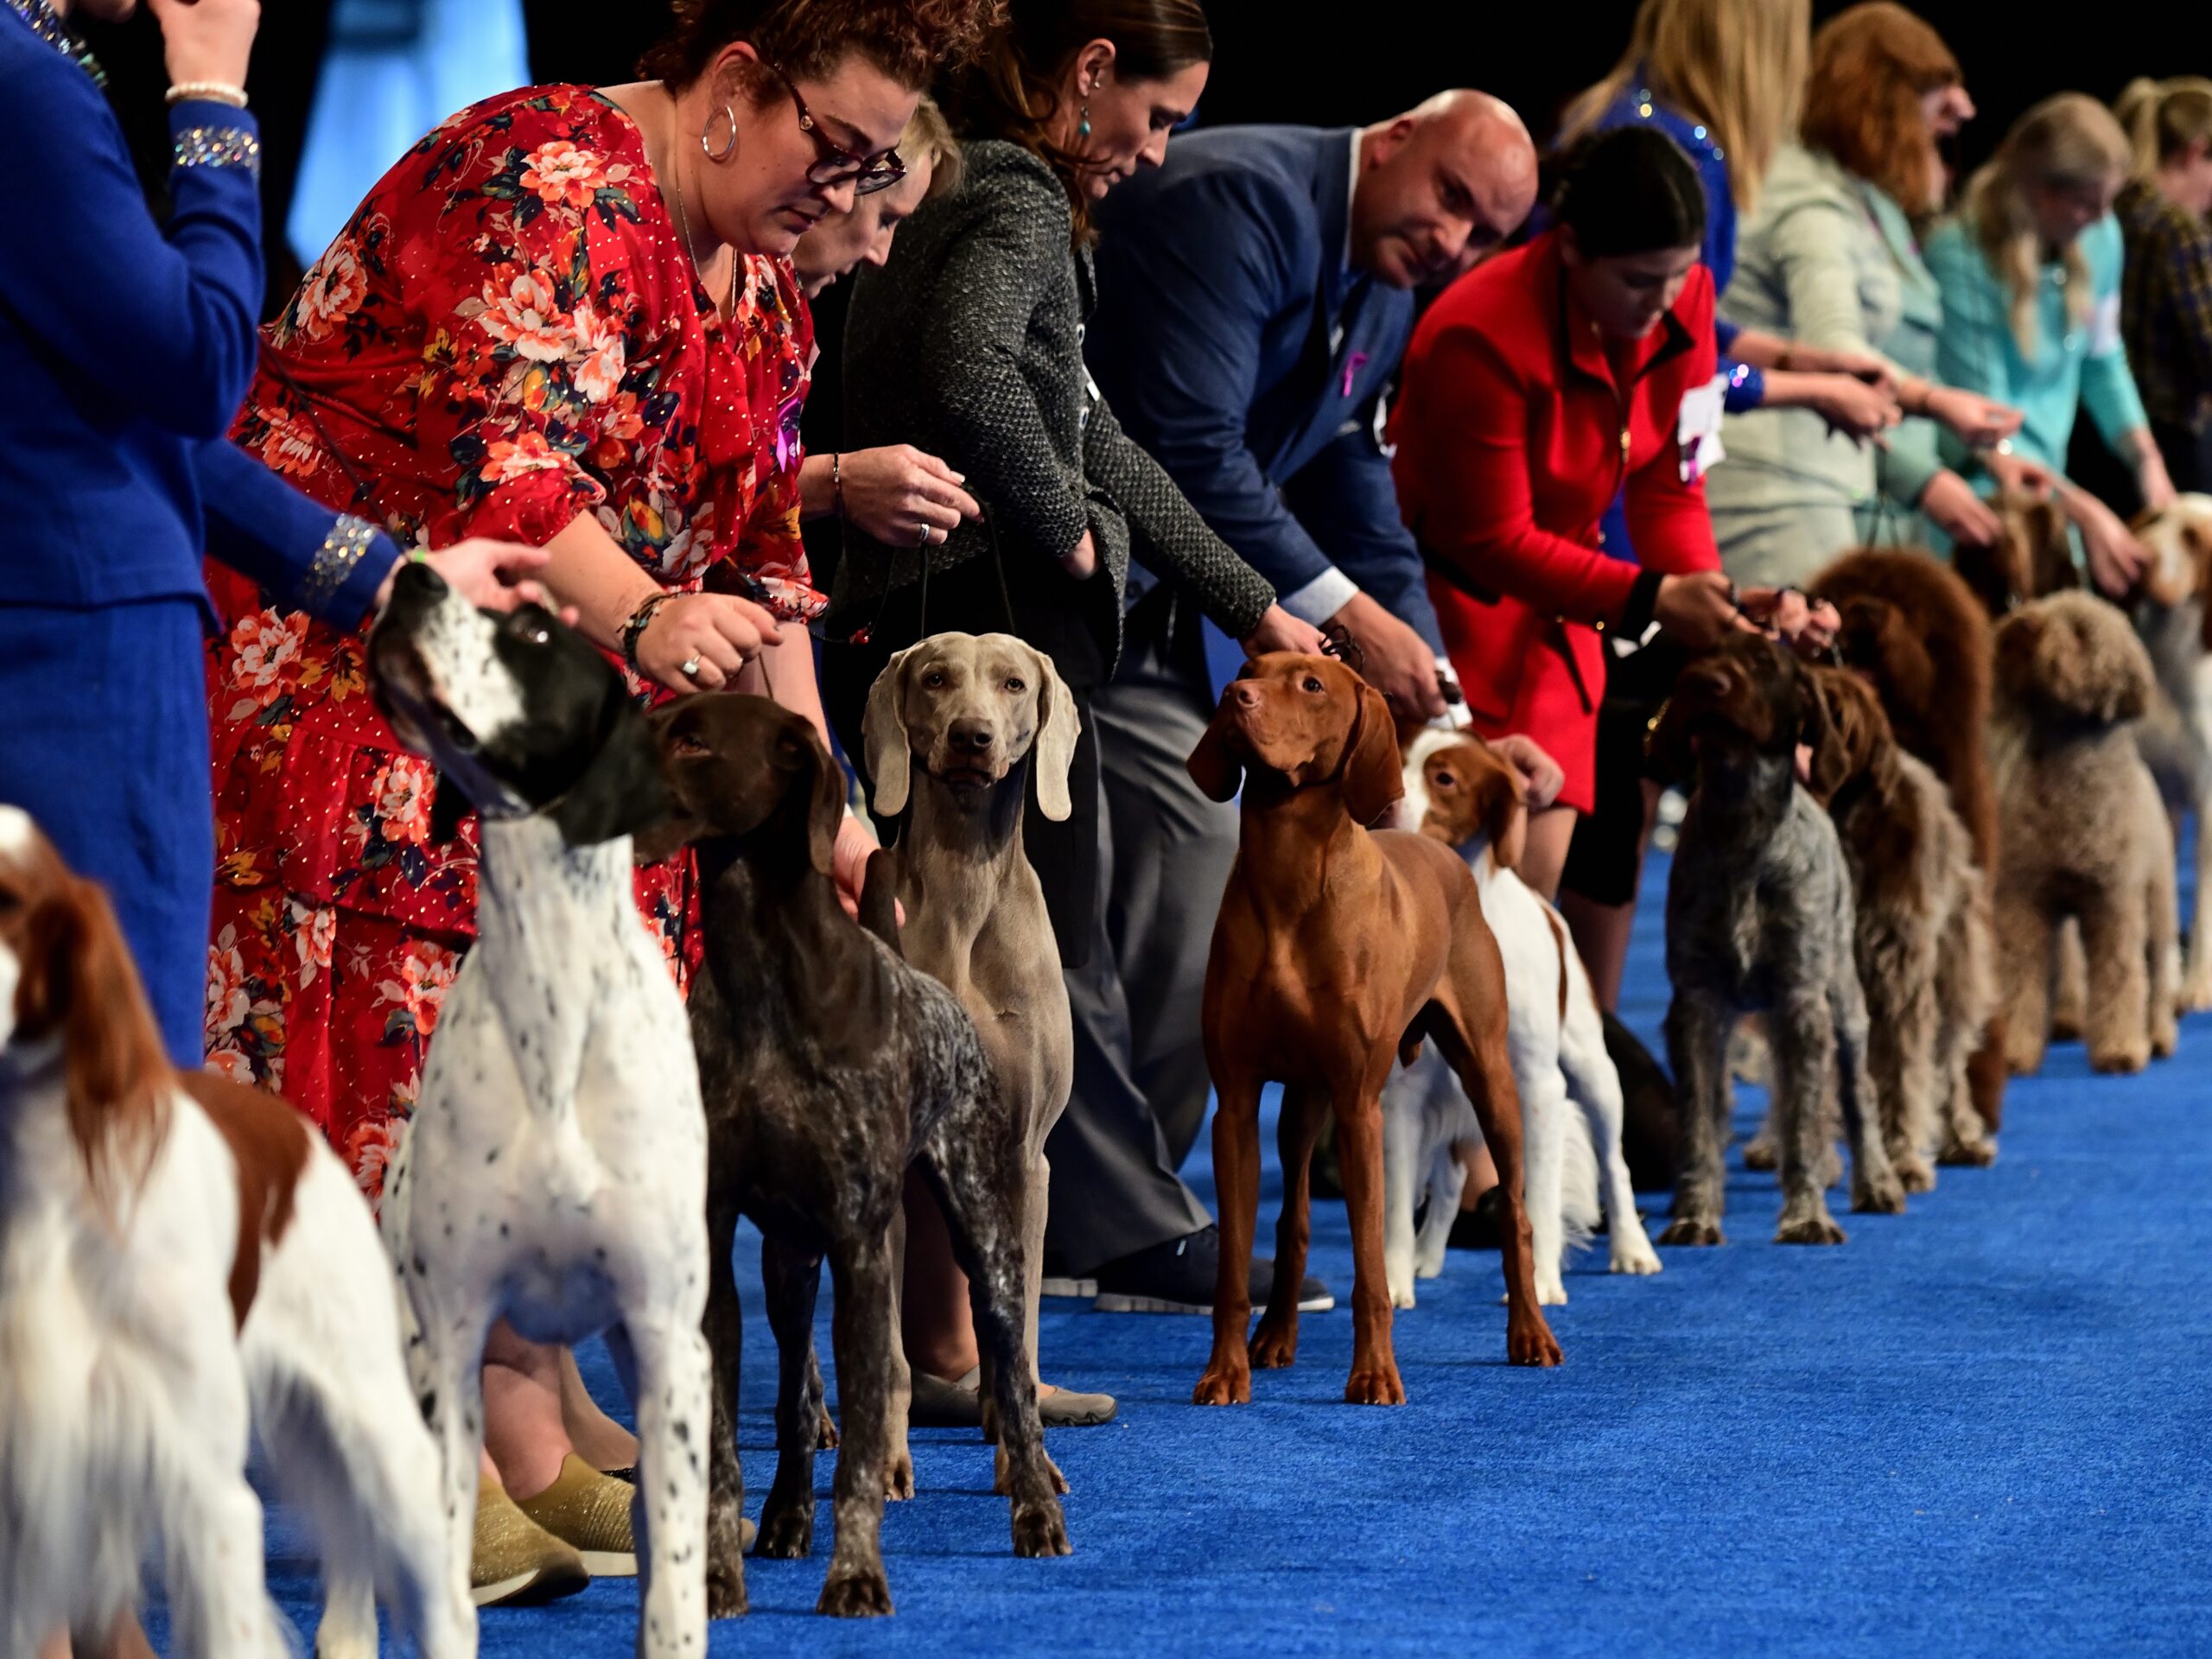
[590, 1512]
[514, 1562]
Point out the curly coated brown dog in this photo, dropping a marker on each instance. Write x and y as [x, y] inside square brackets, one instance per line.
[1337, 951]
[1915, 631]
[2084, 834]
[1920, 934]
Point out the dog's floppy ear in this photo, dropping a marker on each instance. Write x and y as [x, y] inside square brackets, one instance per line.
[883, 731]
[826, 809]
[622, 791]
[1374, 778]
[1217, 773]
[1503, 807]
[1058, 728]
[1824, 724]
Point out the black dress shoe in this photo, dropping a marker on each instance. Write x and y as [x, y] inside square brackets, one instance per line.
[1179, 1276]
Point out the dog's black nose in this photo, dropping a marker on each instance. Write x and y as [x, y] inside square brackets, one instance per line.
[973, 735]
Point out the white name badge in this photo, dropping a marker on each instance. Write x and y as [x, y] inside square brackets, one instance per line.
[2104, 327]
[1697, 428]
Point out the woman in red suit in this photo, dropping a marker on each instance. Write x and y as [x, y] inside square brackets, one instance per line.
[1538, 386]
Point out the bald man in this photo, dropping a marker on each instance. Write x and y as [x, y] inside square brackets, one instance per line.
[1255, 294]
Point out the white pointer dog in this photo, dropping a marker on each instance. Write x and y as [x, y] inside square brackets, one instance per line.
[1459, 792]
[179, 1254]
[555, 1172]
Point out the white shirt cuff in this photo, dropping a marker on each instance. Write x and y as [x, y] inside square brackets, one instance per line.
[1321, 598]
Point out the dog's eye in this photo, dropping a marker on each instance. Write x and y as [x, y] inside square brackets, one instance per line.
[1017, 685]
[1444, 780]
[934, 679]
[1313, 684]
[686, 743]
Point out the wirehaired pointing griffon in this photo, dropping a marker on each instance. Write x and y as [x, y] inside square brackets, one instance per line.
[182, 1257]
[1760, 920]
[555, 1171]
[1338, 950]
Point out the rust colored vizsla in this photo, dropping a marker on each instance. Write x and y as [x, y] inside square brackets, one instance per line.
[1337, 951]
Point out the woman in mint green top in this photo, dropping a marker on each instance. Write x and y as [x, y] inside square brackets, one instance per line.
[1830, 260]
[2029, 271]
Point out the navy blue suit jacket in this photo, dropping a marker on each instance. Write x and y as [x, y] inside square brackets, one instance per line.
[1237, 345]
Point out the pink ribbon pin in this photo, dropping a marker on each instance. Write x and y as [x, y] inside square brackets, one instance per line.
[1352, 366]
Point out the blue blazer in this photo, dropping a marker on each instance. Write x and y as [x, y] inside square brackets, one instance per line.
[124, 352]
[1237, 346]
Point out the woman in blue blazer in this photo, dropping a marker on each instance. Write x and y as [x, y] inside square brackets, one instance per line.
[124, 350]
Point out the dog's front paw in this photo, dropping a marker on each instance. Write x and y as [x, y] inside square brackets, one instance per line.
[1761, 1152]
[2121, 1058]
[725, 1596]
[1632, 1251]
[786, 1532]
[862, 1593]
[2195, 996]
[1551, 1290]
[1882, 1195]
[2164, 1038]
[1914, 1173]
[1378, 1384]
[1693, 1230]
[1529, 1339]
[1223, 1386]
[1274, 1346]
[825, 1432]
[1401, 1293]
[1971, 1154]
[1040, 1528]
[1813, 1226]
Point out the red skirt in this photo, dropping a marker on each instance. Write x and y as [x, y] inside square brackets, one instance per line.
[1524, 671]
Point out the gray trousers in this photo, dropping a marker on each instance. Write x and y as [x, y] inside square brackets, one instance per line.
[1141, 1082]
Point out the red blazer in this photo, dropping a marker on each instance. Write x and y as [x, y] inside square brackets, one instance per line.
[1513, 438]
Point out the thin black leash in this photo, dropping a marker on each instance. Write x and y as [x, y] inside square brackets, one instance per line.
[867, 631]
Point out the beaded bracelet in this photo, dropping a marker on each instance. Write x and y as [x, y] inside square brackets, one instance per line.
[837, 484]
[634, 629]
[207, 92]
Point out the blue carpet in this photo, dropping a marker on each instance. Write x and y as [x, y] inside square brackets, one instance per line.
[1981, 1428]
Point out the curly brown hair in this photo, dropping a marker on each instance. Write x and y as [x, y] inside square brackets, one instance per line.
[1871, 65]
[911, 41]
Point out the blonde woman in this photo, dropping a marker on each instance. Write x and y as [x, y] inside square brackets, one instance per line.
[2166, 297]
[1829, 258]
[2030, 276]
[1723, 80]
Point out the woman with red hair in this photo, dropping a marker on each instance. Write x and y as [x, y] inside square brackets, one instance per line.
[1830, 259]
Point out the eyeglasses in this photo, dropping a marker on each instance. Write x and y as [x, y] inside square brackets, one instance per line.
[836, 166]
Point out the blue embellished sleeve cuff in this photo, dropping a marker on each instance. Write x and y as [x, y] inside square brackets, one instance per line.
[348, 568]
[1746, 386]
[207, 134]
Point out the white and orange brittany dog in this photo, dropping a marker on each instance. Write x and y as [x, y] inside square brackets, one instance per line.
[1458, 791]
[181, 1261]
[2173, 614]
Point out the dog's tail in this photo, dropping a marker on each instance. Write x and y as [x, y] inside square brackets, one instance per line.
[879, 899]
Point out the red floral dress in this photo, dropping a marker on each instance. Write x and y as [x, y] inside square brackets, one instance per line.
[508, 333]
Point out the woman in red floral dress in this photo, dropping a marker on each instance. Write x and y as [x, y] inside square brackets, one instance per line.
[566, 318]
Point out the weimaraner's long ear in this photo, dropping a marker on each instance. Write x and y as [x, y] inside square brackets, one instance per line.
[1373, 777]
[883, 734]
[1058, 728]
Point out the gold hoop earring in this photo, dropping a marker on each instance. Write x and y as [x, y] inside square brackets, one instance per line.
[706, 143]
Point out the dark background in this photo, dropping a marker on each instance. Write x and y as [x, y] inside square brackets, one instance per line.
[1336, 64]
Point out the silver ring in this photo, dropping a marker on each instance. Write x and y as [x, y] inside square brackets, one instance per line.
[927, 528]
[690, 667]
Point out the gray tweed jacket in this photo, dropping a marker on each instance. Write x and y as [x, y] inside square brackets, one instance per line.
[969, 344]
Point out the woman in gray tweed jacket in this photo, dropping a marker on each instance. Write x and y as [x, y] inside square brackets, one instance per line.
[969, 344]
